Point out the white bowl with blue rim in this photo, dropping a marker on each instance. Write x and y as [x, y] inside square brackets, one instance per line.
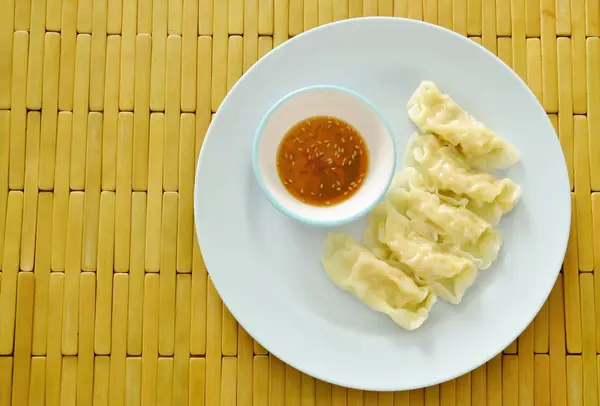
[343, 104]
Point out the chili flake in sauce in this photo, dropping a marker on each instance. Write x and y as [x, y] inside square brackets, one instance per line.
[322, 161]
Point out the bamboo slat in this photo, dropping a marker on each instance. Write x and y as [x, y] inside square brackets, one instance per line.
[104, 295]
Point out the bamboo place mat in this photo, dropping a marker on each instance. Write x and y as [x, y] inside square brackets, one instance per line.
[104, 298]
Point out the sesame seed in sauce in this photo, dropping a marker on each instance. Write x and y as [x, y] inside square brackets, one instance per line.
[323, 162]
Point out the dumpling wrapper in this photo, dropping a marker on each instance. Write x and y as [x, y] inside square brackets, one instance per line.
[461, 231]
[435, 112]
[449, 274]
[452, 290]
[377, 284]
[374, 233]
[488, 196]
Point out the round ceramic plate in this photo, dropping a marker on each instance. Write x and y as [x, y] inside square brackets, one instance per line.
[266, 267]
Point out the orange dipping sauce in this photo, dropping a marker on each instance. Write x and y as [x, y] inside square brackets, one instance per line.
[322, 161]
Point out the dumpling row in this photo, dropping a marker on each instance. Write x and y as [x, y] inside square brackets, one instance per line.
[434, 230]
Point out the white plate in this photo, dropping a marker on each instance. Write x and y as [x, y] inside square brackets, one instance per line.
[266, 266]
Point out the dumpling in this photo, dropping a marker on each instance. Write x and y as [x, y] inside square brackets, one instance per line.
[428, 261]
[382, 287]
[458, 223]
[489, 197]
[434, 112]
[460, 230]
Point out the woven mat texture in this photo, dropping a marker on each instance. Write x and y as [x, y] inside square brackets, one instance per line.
[104, 298]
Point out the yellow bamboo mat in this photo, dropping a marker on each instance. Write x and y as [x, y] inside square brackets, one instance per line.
[104, 298]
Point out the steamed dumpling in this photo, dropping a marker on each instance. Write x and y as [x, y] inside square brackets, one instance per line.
[382, 287]
[459, 229]
[434, 112]
[428, 262]
[487, 196]
[449, 285]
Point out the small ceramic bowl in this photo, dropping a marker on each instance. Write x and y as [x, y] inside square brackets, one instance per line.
[341, 103]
